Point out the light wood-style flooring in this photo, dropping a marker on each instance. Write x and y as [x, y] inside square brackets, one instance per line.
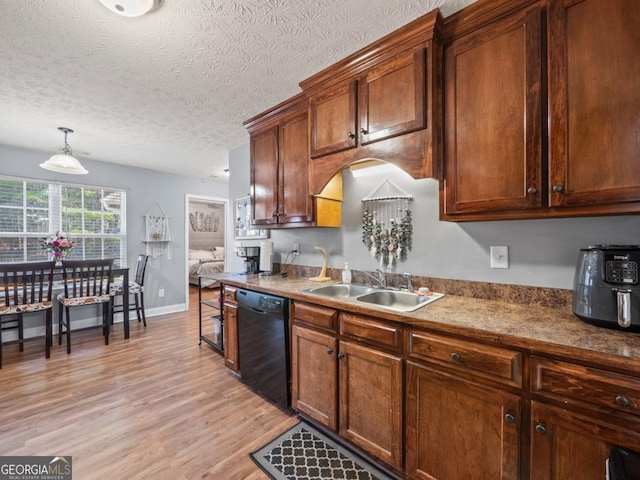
[157, 406]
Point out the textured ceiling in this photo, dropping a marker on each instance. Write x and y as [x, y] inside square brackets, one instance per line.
[169, 91]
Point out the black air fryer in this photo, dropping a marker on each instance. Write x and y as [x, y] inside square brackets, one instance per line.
[606, 290]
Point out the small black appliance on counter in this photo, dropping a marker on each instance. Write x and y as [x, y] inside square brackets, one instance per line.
[606, 289]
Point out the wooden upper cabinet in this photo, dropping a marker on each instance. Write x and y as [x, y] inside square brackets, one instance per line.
[333, 120]
[594, 98]
[293, 181]
[264, 176]
[279, 166]
[392, 98]
[493, 139]
[383, 102]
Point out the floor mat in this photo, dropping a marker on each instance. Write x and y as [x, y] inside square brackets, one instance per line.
[305, 453]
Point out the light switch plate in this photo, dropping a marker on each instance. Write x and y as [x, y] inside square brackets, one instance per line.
[499, 257]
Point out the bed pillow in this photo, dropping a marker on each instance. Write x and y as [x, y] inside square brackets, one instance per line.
[218, 252]
[202, 255]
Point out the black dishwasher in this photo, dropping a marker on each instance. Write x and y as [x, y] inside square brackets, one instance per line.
[263, 344]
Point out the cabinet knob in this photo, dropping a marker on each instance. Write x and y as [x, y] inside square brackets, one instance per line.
[532, 190]
[364, 131]
[622, 401]
[340, 356]
[455, 356]
[541, 429]
[351, 135]
[330, 351]
[510, 418]
[274, 215]
[558, 188]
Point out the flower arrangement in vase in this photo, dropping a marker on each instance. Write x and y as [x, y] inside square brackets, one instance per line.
[58, 246]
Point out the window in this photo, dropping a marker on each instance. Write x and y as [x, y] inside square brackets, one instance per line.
[94, 217]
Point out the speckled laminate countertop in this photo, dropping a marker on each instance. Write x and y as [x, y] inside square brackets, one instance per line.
[542, 330]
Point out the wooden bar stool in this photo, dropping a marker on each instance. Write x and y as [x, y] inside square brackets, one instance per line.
[26, 288]
[86, 282]
[136, 288]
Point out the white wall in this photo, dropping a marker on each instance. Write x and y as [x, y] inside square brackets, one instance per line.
[542, 252]
[144, 188]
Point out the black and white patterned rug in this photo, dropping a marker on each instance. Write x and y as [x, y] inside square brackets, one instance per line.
[304, 453]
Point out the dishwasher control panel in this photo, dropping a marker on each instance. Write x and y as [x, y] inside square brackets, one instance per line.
[270, 303]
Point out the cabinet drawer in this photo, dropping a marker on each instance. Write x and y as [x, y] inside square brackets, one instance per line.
[493, 363]
[229, 294]
[578, 384]
[373, 332]
[322, 317]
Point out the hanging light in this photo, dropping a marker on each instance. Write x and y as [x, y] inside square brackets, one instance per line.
[131, 8]
[65, 162]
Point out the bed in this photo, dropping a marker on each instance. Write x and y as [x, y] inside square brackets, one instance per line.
[206, 263]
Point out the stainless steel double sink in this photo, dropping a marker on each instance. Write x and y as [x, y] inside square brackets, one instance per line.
[396, 300]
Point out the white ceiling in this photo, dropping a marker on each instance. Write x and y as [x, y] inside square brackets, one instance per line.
[169, 91]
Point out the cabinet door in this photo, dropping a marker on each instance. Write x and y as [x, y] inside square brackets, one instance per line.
[566, 446]
[230, 332]
[264, 176]
[457, 429]
[333, 120]
[594, 67]
[371, 401]
[293, 186]
[493, 139]
[314, 375]
[392, 98]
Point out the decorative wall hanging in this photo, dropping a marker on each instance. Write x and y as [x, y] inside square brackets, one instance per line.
[386, 224]
[243, 228]
[157, 235]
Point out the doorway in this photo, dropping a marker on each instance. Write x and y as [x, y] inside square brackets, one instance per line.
[205, 231]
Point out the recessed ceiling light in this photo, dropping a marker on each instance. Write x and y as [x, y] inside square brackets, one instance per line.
[131, 8]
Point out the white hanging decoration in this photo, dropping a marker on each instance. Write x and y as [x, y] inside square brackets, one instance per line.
[157, 234]
[386, 224]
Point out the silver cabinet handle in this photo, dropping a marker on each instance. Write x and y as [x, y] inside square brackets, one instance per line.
[622, 401]
[455, 356]
[558, 188]
[532, 190]
[541, 429]
[510, 418]
[351, 135]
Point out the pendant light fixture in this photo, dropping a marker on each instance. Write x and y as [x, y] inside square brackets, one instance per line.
[65, 162]
[131, 8]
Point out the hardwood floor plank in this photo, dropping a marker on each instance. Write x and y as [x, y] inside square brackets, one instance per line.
[155, 406]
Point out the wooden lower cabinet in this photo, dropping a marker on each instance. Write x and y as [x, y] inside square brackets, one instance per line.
[457, 429]
[350, 388]
[570, 446]
[230, 332]
[314, 375]
[371, 401]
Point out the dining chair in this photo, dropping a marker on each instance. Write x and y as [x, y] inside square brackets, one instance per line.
[136, 288]
[26, 288]
[86, 282]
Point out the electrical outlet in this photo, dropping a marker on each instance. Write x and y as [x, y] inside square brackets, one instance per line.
[161, 292]
[296, 248]
[499, 257]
